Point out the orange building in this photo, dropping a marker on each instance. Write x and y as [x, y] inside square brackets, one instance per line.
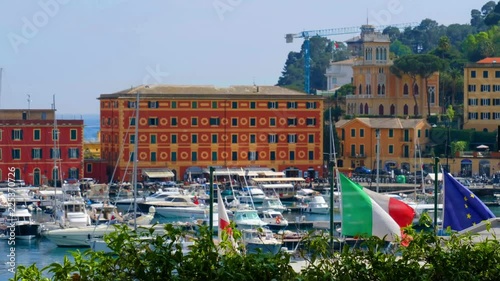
[378, 91]
[38, 151]
[188, 128]
[398, 140]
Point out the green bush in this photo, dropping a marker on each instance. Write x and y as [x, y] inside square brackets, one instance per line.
[425, 257]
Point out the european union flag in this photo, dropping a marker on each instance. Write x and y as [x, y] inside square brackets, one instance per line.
[462, 209]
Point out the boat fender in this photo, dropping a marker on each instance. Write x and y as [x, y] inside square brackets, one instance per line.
[278, 220]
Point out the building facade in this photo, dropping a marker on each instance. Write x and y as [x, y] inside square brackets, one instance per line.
[482, 95]
[398, 138]
[338, 73]
[38, 148]
[188, 128]
[378, 91]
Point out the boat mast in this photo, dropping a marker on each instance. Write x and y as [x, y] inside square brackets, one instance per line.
[134, 173]
[54, 153]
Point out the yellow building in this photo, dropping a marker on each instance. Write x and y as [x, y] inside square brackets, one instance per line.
[398, 140]
[378, 91]
[482, 95]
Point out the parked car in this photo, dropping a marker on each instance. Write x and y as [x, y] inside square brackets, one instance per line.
[362, 170]
[381, 172]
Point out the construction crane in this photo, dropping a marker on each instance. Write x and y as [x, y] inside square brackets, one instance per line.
[325, 33]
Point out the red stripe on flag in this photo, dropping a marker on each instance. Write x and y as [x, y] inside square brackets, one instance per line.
[401, 212]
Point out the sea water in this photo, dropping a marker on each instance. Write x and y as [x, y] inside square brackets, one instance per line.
[42, 252]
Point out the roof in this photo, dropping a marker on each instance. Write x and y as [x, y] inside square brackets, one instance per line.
[205, 90]
[347, 62]
[490, 60]
[384, 123]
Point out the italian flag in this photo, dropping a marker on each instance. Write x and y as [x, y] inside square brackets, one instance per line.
[401, 212]
[361, 215]
[223, 217]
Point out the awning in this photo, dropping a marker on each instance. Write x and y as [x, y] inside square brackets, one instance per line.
[432, 176]
[271, 174]
[158, 173]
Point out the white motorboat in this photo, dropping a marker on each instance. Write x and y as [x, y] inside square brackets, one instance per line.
[19, 224]
[72, 213]
[252, 194]
[260, 240]
[125, 204]
[272, 203]
[274, 219]
[247, 218]
[317, 205]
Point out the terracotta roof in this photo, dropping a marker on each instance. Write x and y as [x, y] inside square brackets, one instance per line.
[384, 123]
[490, 60]
[200, 90]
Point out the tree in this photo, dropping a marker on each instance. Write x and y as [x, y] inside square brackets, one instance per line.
[399, 49]
[407, 66]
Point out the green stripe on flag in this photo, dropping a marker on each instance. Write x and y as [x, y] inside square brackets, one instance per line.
[357, 212]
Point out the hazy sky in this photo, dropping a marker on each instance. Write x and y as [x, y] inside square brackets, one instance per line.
[80, 49]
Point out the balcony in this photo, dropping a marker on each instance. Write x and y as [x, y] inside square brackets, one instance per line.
[358, 155]
[358, 96]
[474, 154]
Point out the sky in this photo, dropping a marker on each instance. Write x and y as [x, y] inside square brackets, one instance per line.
[77, 50]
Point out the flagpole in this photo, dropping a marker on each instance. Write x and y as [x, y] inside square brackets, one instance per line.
[436, 184]
[211, 220]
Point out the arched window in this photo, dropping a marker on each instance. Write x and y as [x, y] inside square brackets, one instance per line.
[393, 109]
[360, 108]
[415, 110]
[383, 89]
[380, 110]
[405, 89]
[379, 90]
[377, 54]
[36, 177]
[366, 109]
[360, 91]
[367, 89]
[415, 90]
[405, 110]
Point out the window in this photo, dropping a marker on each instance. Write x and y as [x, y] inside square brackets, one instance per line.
[194, 121]
[16, 154]
[292, 138]
[391, 133]
[173, 156]
[473, 102]
[426, 133]
[252, 105]
[252, 122]
[1, 132]
[194, 156]
[471, 88]
[496, 116]
[485, 101]
[214, 104]
[253, 156]
[353, 150]
[132, 121]
[391, 149]
[234, 138]
[310, 138]
[361, 133]
[153, 156]
[418, 133]
[252, 138]
[214, 155]
[36, 134]
[88, 168]
[485, 115]
[194, 104]
[234, 155]
[36, 153]
[485, 73]
[272, 155]
[73, 153]
[132, 139]
[362, 149]
[17, 134]
[73, 134]
[153, 121]
[311, 121]
[291, 104]
[153, 104]
[194, 138]
[174, 138]
[173, 121]
[292, 155]
[214, 138]
[353, 133]
[0, 159]
[272, 104]
[311, 105]
[131, 104]
[55, 153]
[214, 121]
[234, 105]
[485, 88]
[473, 74]
[234, 122]
[496, 88]
[292, 121]
[131, 156]
[473, 115]
[310, 155]
[174, 104]
[495, 102]
[272, 138]
[152, 138]
[415, 90]
[497, 73]
[272, 122]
